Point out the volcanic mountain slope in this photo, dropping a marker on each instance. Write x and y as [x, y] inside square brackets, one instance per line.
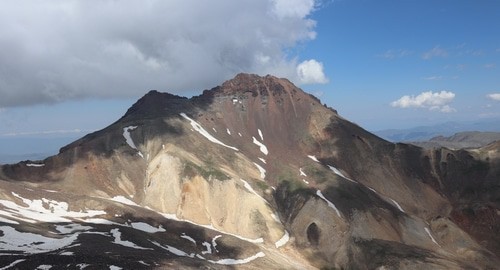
[252, 174]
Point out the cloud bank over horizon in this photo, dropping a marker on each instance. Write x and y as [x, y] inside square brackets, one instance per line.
[61, 50]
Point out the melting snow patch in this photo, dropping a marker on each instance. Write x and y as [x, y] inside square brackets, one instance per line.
[228, 131]
[262, 147]
[239, 134]
[114, 267]
[275, 217]
[263, 160]
[12, 264]
[283, 240]
[374, 191]
[339, 173]
[239, 261]
[302, 173]
[318, 192]
[214, 130]
[187, 237]
[261, 170]
[307, 182]
[313, 158]
[44, 267]
[430, 235]
[82, 265]
[67, 253]
[35, 165]
[260, 134]
[4, 220]
[123, 200]
[143, 263]
[118, 240]
[203, 132]
[399, 206]
[70, 228]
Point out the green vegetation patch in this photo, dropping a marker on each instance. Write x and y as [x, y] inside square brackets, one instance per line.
[191, 170]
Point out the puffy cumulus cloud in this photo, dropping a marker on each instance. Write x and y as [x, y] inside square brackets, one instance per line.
[494, 96]
[310, 72]
[67, 49]
[438, 101]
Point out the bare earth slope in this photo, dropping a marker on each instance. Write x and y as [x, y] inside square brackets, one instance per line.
[252, 174]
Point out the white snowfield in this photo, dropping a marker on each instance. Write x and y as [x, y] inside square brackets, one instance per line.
[262, 147]
[283, 240]
[141, 226]
[330, 204]
[31, 243]
[339, 173]
[261, 170]
[205, 133]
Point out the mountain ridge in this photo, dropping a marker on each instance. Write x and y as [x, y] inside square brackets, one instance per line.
[283, 179]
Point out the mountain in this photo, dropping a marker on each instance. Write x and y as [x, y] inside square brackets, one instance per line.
[252, 174]
[469, 139]
[424, 133]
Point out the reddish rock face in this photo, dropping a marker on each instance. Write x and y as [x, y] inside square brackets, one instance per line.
[259, 158]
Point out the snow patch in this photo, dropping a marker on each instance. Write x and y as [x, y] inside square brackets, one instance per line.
[114, 267]
[214, 130]
[250, 189]
[126, 135]
[124, 200]
[209, 248]
[318, 192]
[141, 226]
[173, 250]
[260, 134]
[189, 238]
[262, 147]
[339, 173]
[302, 173]
[12, 264]
[31, 243]
[239, 261]
[228, 131]
[214, 244]
[283, 240]
[43, 210]
[263, 160]
[71, 228]
[67, 253]
[35, 165]
[203, 132]
[313, 158]
[430, 235]
[44, 267]
[261, 170]
[239, 134]
[397, 205]
[305, 181]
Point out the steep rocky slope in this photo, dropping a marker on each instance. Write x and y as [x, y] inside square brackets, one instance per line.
[255, 174]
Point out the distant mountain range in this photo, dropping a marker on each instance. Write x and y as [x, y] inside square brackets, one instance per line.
[469, 139]
[424, 133]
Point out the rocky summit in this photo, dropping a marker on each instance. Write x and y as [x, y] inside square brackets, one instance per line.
[252, 174]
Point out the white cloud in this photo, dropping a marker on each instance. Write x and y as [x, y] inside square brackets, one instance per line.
[437, 101]
[434, 52]
[494, 96]
[392, 54]
[59, 50]
[310, 72]
[433, 78]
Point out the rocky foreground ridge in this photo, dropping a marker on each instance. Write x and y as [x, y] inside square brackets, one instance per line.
[252, 174]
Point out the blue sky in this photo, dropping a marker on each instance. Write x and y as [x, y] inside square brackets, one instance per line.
[70, 67]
